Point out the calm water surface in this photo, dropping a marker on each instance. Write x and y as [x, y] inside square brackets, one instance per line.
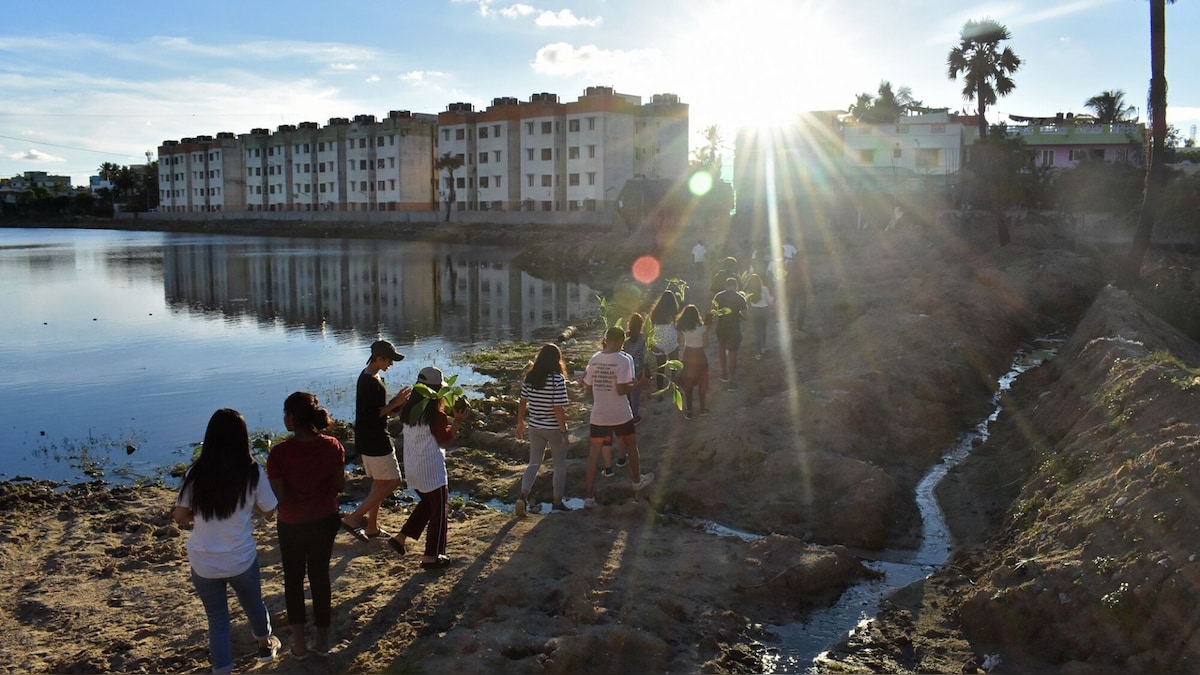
[119, 341]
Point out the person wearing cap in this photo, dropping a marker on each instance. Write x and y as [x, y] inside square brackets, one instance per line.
[610, 378]
[372, 441]
[427, 432]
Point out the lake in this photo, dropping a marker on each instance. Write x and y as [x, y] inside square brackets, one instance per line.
[118, 346]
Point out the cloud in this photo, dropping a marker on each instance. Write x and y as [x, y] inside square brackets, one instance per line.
[422, 76]
[371, 79]
[516, 11]
[565, 19]
[562, 58]
[343, 66]
[32, 155]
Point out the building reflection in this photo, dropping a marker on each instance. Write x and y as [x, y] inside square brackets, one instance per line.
[408, 290]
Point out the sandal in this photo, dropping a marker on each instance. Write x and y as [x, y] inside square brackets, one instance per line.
[356, 530]
[378, 535]
[397, 545]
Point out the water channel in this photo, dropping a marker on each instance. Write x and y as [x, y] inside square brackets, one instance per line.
[118, 346]
[802, 644]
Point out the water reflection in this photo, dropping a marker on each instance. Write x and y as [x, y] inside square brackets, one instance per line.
[132, 339]
[461, 294]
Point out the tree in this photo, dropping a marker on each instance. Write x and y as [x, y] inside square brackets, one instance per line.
[1156, 174]
[450, 164]
[711, 156]
[1110, 107]
[887, 107]
[986, 70]
[985, 67]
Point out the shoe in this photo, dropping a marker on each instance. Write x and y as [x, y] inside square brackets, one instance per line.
[559, 506]
[442, 561]
[382, 534]
[356, 530]
[535, 508]
[607, 472]
[268, 652]
[520, 508]
[703, 412]
[687, 415]
[622, 461]
[589, 503]
[647, 478]
[397, 545]
[724, 378]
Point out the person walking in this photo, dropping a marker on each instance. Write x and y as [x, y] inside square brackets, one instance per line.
[307, 472]
[665, 345]
[699, 258]
[729, 307]
[373, 442]
[694, 376]
[759, 301]
[544, 398]
[427, 431]
[635, 347]
[610, 377]
[220, 493]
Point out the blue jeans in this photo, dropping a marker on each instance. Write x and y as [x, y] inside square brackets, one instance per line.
[213, 596]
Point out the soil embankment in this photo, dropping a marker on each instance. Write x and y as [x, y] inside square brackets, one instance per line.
[902, 337]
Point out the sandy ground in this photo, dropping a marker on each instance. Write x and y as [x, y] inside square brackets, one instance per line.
[902, 339]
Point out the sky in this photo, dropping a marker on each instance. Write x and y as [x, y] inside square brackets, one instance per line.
[83, 83]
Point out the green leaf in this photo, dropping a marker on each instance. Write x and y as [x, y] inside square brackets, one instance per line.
[673, 364]
[678, 396]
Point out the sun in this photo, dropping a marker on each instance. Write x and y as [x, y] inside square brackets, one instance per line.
[759, 62]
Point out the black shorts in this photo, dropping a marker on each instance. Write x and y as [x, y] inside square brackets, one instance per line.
[730, 341]
[604, 433]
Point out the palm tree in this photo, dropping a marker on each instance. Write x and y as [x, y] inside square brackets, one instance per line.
[985, 67]
[449, 163]
[1110, 107]
[1156, 174]
[711, 155]
[886, 108]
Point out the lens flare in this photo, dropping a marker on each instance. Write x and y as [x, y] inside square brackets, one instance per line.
[646, 269]
[700, 183]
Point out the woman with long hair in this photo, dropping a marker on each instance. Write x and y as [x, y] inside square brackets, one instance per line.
[307, 472]
[635, 347]
[427, 431]
[694, 375]
[758, 297]
[666, 340]
[221, 491]
[544, 398]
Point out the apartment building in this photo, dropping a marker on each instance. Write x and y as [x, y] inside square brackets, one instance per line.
[1064, 141]
[201, 174]
[546, 155]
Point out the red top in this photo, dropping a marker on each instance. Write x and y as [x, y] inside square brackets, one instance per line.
[307, 469]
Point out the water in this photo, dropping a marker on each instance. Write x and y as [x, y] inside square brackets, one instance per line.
[118, 346]
[804, 642]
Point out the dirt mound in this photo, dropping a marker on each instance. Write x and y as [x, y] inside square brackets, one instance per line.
[1088, 484]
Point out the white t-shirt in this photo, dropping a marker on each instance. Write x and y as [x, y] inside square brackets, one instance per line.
[698, 253]
[219, 549]
[764, 299]
[694, 337]
[789, 251]
[604, 372]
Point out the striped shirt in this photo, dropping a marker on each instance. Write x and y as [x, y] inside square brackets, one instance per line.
[424, 458]
[541, 402]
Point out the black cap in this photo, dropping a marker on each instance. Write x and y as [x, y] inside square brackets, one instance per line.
[386, 350]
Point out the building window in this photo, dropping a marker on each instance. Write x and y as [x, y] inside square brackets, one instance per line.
[380, 186]
[529, 154]
[379, 142]
[591, 123]
[547, 154]
[460, 134]
[461, 182]
[496, 156]
[547, 180]
[496, 130]
[483, 132]
[380, 164]
[591, 178]
[573, 125]
[591, 152]
[547, 128]
[483, 157]
[497, 180]
[937, 129]
[1047, 158]
[573, 179]
[445, 134]
[529, 128]
[546, 206]
[529, 179]
[483, 182]
[573, 152]
[362, 142]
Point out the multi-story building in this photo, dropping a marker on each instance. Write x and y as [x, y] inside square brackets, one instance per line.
[1065, 140]
[916, 147]
[545, 155]
[201, 174]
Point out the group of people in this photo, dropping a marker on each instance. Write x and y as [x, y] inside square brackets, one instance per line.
[303, 476]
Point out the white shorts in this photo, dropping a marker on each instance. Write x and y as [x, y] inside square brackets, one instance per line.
[381, 467]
